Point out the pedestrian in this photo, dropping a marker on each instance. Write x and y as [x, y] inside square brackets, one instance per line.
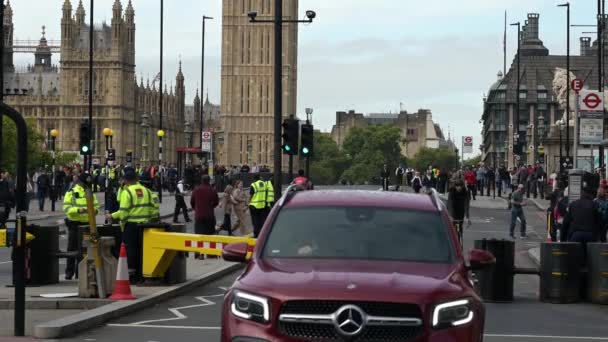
[136, 206]
[541, 179]
[490, 179]
[227, 203]
[76, 214]
[302, 181]
[204, 200]
[384, 176]
[602, 203]
[427, 181]
[240, 208]
[7, 197]
[180, 203]
[417, 182]
[270, 196]
[517, 211]
[583, 221]
[257, 204]
[480, 176]
[471, 182]
[409, 175]
[399, 173]
[43, 182]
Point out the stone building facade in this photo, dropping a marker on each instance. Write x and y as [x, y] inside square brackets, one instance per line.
[247, 80]
[57, 98]
[417, 129]
[538, 104]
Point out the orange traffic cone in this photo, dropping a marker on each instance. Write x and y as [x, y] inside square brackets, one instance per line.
[122, 287]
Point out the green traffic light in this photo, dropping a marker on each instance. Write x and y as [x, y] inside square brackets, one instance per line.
[305, 150]
[85, 149]
[287, 148]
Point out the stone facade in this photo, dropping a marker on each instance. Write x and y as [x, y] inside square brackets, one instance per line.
[417, 129]
[58, 97]
[538, 103]
[247, 80]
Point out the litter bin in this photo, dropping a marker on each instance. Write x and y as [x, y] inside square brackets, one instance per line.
[560, 272]
[597, 276]
[177, 271]
[44, 265]
[495, 283]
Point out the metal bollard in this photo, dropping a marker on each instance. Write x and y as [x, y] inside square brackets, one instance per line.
[560, 272]
[496, 282]
[87, 278]
[597, 276]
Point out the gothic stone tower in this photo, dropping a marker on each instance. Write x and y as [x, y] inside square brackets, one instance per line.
[247, 81]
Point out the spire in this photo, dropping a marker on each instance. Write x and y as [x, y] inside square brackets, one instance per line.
[117, 9]
[207, 97]
[180, 75]
[130, 13]
[80, 13]
[142, 81]
[148, 84]
[9, 10]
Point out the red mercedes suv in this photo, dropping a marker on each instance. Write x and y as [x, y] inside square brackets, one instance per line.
[355, 266]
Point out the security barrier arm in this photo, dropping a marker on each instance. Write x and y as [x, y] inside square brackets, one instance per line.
[95, 241]
[160, 247]
[6, 242]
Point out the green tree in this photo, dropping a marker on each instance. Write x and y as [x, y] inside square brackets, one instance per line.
[367, 149]
[473, 161]
[442, 158]
[37, 154]
[328, 162]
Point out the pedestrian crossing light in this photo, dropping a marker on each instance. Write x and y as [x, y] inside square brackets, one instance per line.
[85, 139]
[291, 128]
[307, 140]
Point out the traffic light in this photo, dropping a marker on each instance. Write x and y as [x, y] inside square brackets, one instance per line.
[291, 128]
[307, 140]
[85, 139]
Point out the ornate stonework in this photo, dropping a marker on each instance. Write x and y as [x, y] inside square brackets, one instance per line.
[247, 80]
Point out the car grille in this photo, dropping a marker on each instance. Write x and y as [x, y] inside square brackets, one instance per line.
[327, 332]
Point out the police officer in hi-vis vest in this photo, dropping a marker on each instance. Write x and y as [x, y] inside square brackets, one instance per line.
[257, 204]
[77, 214]
[136, 206]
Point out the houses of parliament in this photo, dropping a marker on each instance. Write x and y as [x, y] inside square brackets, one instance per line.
[58, 97]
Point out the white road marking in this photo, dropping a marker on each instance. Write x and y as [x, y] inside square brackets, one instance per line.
[176, 312]
[550, 337]
[5, 262]
[164, 326]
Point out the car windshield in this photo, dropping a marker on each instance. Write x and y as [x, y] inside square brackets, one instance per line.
[359, 233]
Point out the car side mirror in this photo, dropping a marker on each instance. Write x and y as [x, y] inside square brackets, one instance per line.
[235, 252]
[480, 259]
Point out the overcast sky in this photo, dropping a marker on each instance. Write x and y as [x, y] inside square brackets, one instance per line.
[367, 55]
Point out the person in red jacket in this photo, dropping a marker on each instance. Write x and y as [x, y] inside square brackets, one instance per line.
[471, 181]
[204, 200]
[302, 182]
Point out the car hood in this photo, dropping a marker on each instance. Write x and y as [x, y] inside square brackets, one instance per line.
[352, 280]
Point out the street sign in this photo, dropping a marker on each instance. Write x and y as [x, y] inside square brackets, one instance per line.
[591, 128]
[129, 157]
[206, 146]
[467, 144]
[577, 85]
[96, 161]
[111, 154]
[206, 135]
[591, 102]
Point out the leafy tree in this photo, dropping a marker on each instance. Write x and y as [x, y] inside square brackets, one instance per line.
[473, 161]
[327, 162]
[37, 154]
[443, 158]
[367, 149]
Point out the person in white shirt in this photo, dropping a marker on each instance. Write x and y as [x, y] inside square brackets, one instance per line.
[180, 203]
[399, 172]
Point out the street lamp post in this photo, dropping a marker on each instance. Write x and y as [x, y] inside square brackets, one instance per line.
[145, 128]
[278, 84]
[308, 122]
[560, 123]
[160, 133]
[107, 132]
[203, 79]
[516, 116]
[55, 193]
[542, 128]
[188, 132]
[567, 5]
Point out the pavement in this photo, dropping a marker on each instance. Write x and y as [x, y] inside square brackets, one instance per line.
[196, 315]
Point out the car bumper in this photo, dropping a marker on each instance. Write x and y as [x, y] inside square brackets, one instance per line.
[235, 330]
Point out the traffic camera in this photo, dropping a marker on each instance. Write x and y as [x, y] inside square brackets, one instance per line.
[307, 140]
[291, 130]
[85, 139]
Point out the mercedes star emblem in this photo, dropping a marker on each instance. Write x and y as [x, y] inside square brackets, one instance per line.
[349, 320]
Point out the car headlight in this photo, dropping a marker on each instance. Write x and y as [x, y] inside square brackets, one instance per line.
[250, 307]
[452, 314]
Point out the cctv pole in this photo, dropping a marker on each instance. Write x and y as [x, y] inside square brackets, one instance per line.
[88, 157]
[278, 95]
